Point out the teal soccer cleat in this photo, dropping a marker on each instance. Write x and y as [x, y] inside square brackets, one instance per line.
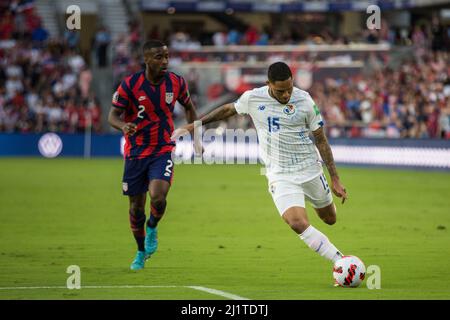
[139, 261]
[151, 241]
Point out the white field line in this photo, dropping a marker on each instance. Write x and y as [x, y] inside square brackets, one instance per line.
[218, 292]
[198, 288]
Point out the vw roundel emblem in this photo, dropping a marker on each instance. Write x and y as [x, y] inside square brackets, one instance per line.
[50, 145]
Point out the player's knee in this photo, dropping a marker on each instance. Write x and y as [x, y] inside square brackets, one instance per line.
[298, 224]
[328, 214]
[158, 203]
[137, 209]
[330, 219]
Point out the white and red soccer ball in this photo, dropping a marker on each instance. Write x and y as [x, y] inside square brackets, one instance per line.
[349, 271]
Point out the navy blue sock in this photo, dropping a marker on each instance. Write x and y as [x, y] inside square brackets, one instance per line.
[153, 221]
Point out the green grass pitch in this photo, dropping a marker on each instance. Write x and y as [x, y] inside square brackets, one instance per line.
[221, 231]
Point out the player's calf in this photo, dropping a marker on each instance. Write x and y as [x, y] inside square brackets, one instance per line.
[157, 209]
[327, 214]
[137, 223]
[320, 243]
[158, 189]
[137, 218]
[297, 219]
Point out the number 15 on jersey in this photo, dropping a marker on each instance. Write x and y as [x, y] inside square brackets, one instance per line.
[274, 124]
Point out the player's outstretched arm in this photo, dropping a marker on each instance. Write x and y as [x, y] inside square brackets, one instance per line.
[223, 112]
[114, 119]
[324, 148]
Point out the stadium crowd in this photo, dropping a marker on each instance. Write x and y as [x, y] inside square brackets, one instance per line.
[412, 101]
[44, 83]
[434, 33]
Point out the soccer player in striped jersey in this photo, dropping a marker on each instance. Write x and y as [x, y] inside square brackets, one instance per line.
[142, 108]
[284, 117]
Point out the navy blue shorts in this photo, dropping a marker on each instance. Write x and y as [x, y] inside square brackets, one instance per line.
[139, 172]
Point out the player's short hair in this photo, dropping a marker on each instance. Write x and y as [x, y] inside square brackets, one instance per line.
[152, 43]
[279, 71]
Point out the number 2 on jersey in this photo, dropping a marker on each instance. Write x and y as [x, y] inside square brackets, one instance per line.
[141, 111]
[274, 124]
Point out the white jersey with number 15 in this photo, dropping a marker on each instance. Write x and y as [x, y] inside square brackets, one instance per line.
[283, 130]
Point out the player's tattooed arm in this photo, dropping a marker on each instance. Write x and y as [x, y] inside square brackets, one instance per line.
[115, 120]
[324, 148]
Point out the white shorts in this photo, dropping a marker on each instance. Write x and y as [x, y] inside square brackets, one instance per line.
[287, 193]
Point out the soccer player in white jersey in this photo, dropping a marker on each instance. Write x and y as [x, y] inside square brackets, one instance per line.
[284, 116]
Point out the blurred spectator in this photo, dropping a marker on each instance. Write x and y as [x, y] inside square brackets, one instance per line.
[154, 32]
[264, 38]
[182, 41]
[234, 37]
[84, 82]
[251, 35]
[438, 34]
[220, 38]
[101, 43]
[6, 26]
[444, 122]
[39, 34]
[72, 38]
[135, 35]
